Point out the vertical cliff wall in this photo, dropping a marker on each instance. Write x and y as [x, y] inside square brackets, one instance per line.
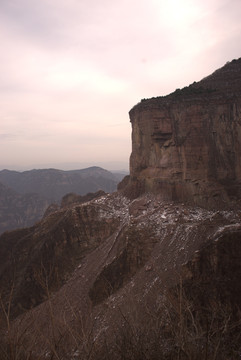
[187, 146]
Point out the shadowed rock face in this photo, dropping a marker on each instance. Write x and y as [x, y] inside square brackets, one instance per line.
[185, 145]
[213, 273]
[38, 260]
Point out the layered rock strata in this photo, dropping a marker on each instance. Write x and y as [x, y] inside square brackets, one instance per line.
[185, 145]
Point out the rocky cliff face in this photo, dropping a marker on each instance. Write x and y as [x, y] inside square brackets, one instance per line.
[185, 145]
[144, 278]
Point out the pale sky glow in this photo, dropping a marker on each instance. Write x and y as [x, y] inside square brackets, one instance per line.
[70, 71]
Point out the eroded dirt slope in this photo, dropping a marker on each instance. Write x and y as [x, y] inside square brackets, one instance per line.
[150, 244]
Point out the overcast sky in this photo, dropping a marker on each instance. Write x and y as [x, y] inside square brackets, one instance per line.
[70, 71]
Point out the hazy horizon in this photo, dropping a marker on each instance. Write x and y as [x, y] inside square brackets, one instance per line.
[110, 166]
[71, 71]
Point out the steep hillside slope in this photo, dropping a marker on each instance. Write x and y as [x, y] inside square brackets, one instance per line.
[106, 265]
[51, 248]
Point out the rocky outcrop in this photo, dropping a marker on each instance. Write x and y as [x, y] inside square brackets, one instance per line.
[72, 198]
[185, 145]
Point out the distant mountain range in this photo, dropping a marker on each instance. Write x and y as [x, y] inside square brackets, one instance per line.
[25, 196]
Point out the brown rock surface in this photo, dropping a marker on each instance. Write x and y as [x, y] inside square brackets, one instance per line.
[185, 145]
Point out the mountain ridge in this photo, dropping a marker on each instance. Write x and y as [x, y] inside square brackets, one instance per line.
[31, 192]
[45, 181]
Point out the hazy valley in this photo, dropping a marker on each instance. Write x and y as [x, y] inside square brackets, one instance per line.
[25, 196]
